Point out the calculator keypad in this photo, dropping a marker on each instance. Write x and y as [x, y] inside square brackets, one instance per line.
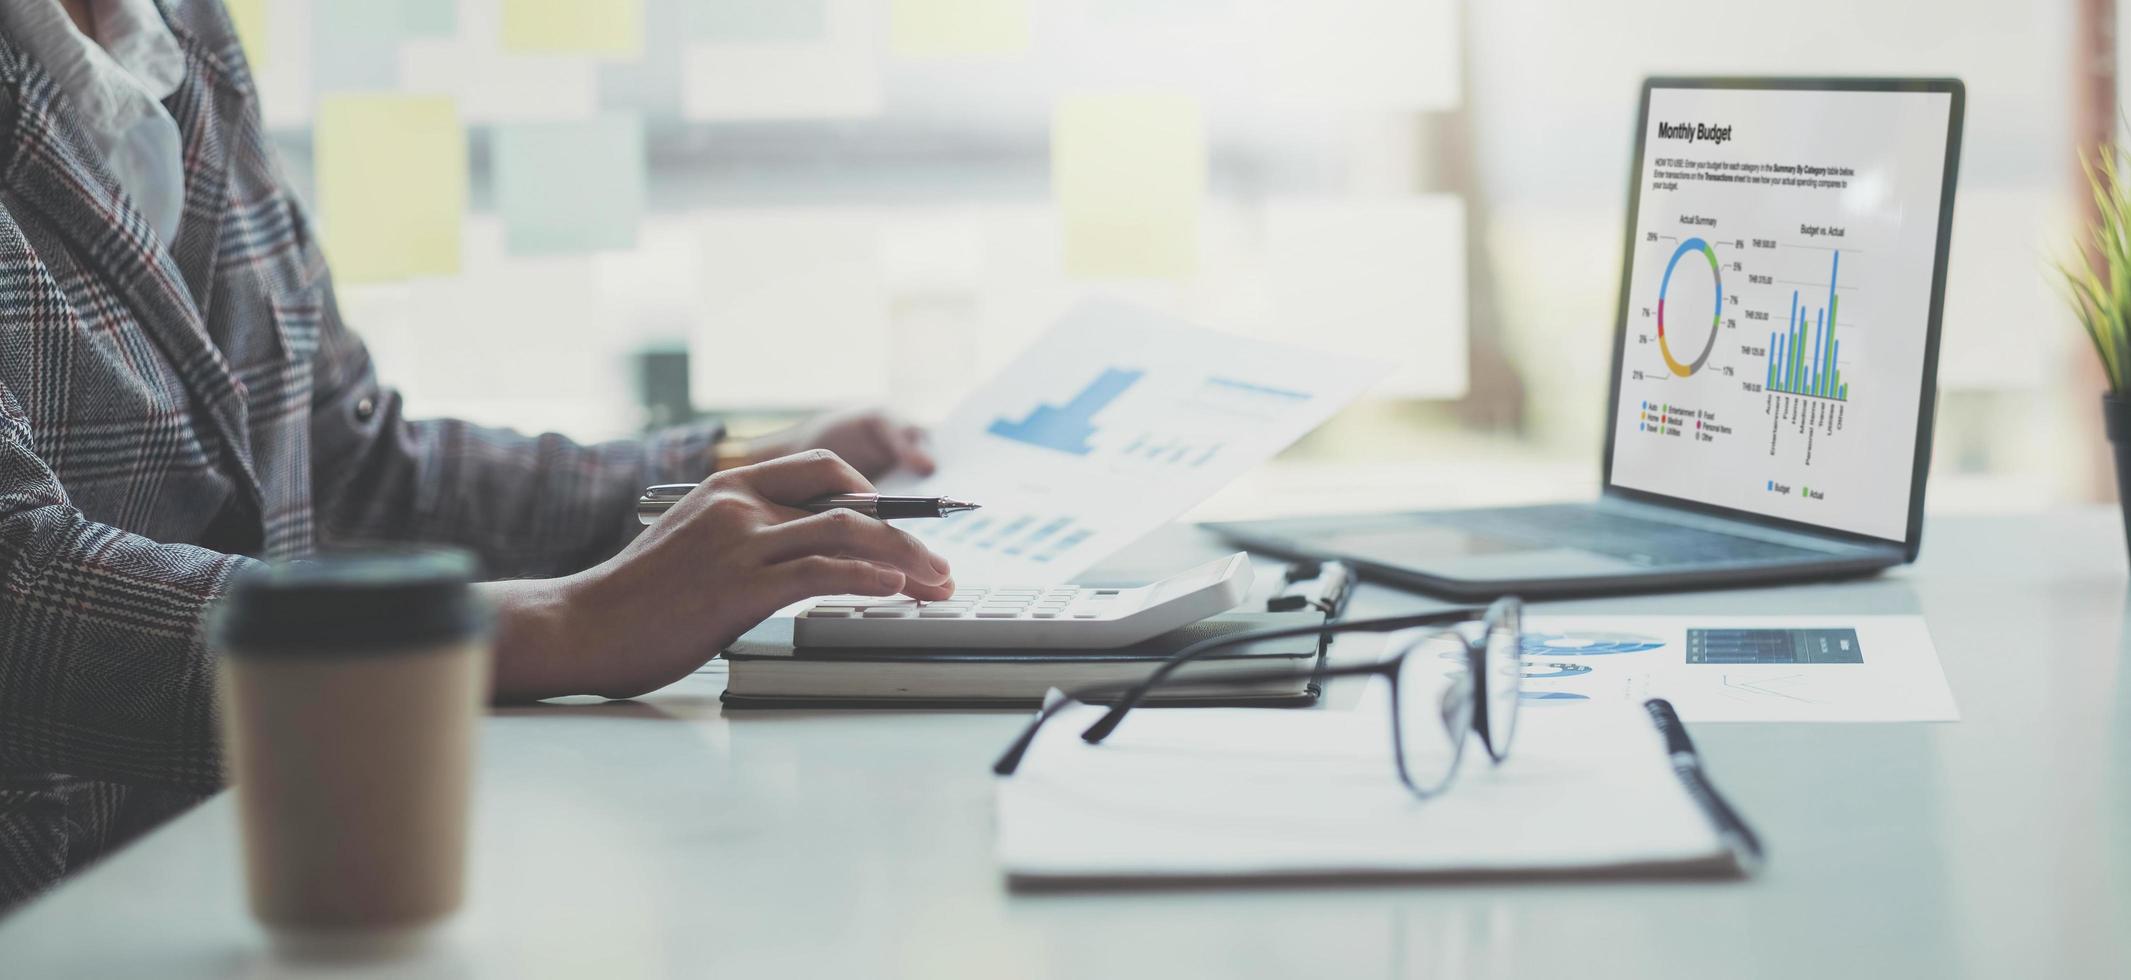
[1002, 603]
[1011, 617]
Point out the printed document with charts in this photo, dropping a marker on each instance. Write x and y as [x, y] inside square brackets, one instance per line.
[1739, 668]
[1114, 422]
[1184, 794]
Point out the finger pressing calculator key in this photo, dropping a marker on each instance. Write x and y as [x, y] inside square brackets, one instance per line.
[1007, 617]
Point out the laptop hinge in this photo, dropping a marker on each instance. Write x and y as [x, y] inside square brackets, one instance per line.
[1731, 525]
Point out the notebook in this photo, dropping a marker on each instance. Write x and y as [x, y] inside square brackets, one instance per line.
[766, 671]
[1226, 795]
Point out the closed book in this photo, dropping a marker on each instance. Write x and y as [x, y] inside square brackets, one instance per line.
[767, 671]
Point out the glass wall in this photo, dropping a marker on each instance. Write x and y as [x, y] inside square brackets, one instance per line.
[761, 207]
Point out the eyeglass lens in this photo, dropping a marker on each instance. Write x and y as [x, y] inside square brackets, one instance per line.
[1438, 697]
[1501, 661]
[1434, 698]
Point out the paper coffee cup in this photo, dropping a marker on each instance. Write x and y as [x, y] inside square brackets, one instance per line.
[352, 687]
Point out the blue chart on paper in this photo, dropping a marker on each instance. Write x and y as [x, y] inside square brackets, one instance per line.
[1035, 536]
[1587, 643]
[1555, 670]
[1556, 697]
[1067, 427]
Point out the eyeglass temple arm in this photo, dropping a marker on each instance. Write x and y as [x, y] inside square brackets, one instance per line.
[1116, 715]
[1010, 760]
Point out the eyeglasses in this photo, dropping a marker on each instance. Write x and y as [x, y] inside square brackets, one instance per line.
[1433, 710]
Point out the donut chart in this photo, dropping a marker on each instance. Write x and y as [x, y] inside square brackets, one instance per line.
[1716, 315]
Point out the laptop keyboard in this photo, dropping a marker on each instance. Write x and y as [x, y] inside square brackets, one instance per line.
[1629, 538]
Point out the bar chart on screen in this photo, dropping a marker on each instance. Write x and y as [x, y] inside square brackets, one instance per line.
[1778, 303]
[1812, 368]
[1724, 387]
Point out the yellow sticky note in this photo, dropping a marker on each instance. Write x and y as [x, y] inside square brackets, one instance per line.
[249, 18]
[391, 185]
[1129, 172]
[947, 28]
[609, 28]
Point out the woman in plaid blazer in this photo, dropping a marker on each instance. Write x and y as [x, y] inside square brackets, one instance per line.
[172, 411]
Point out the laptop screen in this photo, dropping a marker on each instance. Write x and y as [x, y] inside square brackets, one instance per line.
[1778, 301]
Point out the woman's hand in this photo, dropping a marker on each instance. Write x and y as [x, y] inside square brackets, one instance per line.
[728, 555]
[872, 441]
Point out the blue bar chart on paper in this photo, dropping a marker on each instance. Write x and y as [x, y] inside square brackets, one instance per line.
[1802, 361]
[1068, 427]
[1038, 538]
[1190, 434]
[1115, 421]
[1200, 427]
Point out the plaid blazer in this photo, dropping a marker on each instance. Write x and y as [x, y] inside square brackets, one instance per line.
[168, 415]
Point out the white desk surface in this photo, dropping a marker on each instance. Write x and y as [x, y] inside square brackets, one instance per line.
[667, 837]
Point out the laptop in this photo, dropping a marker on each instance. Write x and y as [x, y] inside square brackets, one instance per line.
[1774, 361]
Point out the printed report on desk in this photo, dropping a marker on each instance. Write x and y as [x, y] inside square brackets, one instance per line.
[1778, 299]
[1113, 422]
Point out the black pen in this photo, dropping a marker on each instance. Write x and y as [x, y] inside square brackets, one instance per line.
[657, 500]
[1321, 585]
[1687, 764]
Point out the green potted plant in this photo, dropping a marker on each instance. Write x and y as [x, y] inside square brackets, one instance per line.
[2098, 280]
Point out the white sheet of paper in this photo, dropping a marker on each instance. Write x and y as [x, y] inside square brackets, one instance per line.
[1242, 791]
[1573, 662]
[1114, 421]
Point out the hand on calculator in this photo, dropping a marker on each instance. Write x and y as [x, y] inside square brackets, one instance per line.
[729, 554]
[1047, 617]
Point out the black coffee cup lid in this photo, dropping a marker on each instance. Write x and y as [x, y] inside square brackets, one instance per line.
[346, 602]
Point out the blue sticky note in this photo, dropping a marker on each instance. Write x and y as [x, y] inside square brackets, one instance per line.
[758, 20]
[646, 85]
[570, 186]
[355, 44]
[429, 18]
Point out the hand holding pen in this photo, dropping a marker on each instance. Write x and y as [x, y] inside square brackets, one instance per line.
[887, 507]
[726, 556]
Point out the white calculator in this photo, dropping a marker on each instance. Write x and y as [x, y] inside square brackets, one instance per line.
[1066, 616]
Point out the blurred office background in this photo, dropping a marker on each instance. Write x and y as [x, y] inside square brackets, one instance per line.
[823, 202]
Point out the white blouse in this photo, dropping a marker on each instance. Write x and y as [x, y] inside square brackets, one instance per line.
[116, 84]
